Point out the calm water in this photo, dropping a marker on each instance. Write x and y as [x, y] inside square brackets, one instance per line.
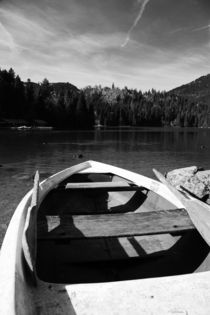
[22, 152]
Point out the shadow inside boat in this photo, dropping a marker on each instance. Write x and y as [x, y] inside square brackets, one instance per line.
[86, 260]
[67, 255]
[91, 202]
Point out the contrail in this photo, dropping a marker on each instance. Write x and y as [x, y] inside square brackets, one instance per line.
[7, 38]
[201, 28]
[142, 8]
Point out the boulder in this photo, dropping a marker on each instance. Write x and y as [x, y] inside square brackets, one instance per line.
[178, 177]
[192, 178]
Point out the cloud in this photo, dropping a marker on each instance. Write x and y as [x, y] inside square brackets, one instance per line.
[80, 41]
[143, 4]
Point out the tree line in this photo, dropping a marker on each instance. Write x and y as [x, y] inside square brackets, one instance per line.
[60, 105]
[64, 106]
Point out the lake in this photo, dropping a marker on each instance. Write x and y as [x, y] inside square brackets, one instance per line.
[139, 150]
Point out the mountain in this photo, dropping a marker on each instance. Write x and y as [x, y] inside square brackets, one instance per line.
[61, 86]
[56, 88]
[198, 90]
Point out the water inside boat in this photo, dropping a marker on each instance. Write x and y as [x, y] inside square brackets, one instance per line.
[101, 227]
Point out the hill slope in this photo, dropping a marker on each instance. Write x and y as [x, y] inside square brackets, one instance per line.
[198, 90]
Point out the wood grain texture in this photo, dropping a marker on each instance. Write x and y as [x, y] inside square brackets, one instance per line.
[114, 225]
[99, 185]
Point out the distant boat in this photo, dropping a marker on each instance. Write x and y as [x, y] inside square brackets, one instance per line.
[23, 128]
[97, 239]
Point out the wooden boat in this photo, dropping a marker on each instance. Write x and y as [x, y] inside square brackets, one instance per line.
[97, 239]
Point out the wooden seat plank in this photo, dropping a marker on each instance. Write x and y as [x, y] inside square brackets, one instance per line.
[108, 186]
[114, 225]
[96, 185]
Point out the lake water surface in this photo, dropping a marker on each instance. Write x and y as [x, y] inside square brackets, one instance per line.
[139, 150]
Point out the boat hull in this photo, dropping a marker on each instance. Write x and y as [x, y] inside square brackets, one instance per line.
[19, 294]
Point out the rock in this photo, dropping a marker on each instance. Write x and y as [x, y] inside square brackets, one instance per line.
[178, 177]
[204, 176]
[193, 179]
[78, 156]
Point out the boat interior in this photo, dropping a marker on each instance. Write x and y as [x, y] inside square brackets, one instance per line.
[96, 227]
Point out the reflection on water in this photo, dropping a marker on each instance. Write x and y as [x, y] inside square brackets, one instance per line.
[140, 150]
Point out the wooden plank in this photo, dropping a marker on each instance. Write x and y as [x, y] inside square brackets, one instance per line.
[114, 225]
[108, 186]
[96, 185]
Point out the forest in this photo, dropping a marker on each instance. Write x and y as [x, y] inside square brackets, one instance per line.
[64, 106]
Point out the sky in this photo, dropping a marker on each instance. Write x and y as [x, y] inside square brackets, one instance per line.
[140, 44]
